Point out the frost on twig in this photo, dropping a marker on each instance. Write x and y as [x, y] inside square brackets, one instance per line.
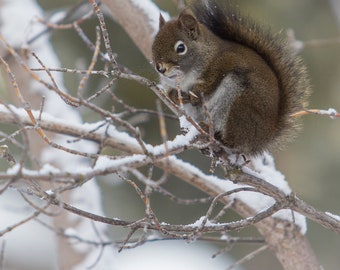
[332, 113]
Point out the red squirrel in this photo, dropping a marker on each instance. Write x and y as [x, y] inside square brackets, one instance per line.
[250, 80]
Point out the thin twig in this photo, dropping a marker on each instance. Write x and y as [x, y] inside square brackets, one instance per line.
[162, 127]
[247, 258]
[217, 199]
[105, 34]
[62, 26]
[92, 64]
[18, 224]
[89, 44]
[332, 113]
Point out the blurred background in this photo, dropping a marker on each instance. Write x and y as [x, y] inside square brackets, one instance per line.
[311, 163]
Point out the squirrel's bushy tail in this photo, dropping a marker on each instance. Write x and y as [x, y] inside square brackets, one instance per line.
[226, 22]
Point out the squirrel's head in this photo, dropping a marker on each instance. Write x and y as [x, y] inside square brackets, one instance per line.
[177, 45]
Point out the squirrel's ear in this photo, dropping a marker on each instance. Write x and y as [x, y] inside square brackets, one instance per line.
[189, 23]
[161, 21]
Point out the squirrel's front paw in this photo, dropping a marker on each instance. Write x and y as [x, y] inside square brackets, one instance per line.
[173, 95]
[195, 98]
[204, 126]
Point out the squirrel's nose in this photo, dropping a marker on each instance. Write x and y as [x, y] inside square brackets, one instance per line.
[160, 68]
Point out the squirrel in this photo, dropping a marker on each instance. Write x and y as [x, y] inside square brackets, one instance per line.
[249, 79]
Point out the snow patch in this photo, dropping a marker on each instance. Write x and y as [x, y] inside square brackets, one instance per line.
[333, 216]
[152, 11]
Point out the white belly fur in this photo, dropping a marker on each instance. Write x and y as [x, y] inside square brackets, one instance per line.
[218, 103]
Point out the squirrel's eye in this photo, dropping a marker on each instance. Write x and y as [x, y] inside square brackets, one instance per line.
[180, 48]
